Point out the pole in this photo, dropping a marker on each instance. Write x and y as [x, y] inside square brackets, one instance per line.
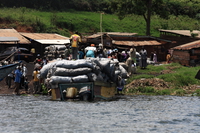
[101, 28]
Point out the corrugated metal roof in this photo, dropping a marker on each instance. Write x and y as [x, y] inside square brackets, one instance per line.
[53, 41]
[188, 46]
[111, 34]
[94, 36]
[13, 33]
[136, 43]
[182, 32]
[118, 33]
[44, 36]
[9, 39]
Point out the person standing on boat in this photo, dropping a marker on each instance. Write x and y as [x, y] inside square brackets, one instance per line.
[18, 75]
[91, 51]
[105, 53]
[75, 40]
[143, 60]
[100, 51]
[81, 53]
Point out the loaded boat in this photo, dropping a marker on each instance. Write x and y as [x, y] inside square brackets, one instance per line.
[83, 79]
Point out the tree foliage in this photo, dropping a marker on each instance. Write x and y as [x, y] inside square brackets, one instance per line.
[140, 7]
[162, 8]
[174, 7]
[59, 5]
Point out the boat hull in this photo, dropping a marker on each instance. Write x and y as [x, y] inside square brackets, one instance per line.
[6, 69]
[99, 90]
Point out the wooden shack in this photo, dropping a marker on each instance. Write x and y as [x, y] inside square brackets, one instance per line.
[187, 54]
[10, 38]
[151, 44]
[123, 41]
[179, 37]
[40, 40]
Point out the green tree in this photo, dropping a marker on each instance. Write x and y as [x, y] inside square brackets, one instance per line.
[145, 8]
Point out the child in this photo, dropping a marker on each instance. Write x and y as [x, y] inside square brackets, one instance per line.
[26, 82]
[120, 84]
[133, 67]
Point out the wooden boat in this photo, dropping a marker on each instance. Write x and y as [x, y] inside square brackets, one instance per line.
[6, 69]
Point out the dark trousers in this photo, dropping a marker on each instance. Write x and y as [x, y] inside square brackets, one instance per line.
[17, 85]
[74, 53]
[36, 85]
[22, 82]
[8, 81]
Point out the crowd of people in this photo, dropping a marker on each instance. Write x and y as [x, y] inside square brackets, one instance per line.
[19, 77]
[129, 56]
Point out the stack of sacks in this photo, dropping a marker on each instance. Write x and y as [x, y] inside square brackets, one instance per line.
[83, 70]
[50, 51]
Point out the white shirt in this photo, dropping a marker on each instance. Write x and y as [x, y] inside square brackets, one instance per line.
[24, 71]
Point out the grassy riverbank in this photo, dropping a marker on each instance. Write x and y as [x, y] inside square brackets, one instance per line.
[165, 79]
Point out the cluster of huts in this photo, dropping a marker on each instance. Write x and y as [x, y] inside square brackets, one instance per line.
[184, 45]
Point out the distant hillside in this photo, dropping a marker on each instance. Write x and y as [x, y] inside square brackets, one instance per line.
[64, 23]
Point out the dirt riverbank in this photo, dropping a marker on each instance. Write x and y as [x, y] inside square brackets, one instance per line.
[4, 88]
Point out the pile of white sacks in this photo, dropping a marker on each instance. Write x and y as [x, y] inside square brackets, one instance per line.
[81, 71]
[50, 51]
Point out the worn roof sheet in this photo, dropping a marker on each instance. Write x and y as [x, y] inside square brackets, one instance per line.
[94, 36]
[111, 33]
[44, 36]
[136, 43]
[9, 39]
[182, 32]
[118, 33]
[13, 34]
[57, 42]
[188, 46]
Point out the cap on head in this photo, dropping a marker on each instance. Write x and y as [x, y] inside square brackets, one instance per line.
[92, 45]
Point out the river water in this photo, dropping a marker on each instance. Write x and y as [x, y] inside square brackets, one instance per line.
[129, 114]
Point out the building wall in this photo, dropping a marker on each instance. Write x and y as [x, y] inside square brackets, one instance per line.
[178, 40]
[182, 57]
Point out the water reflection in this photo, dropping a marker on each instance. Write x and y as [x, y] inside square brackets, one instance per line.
[129, 114]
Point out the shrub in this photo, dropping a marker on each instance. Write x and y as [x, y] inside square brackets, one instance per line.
[197, 92]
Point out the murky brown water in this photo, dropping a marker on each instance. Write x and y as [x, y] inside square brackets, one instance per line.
[163, 114]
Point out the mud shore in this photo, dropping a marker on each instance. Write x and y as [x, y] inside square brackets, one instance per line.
[4, 88]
